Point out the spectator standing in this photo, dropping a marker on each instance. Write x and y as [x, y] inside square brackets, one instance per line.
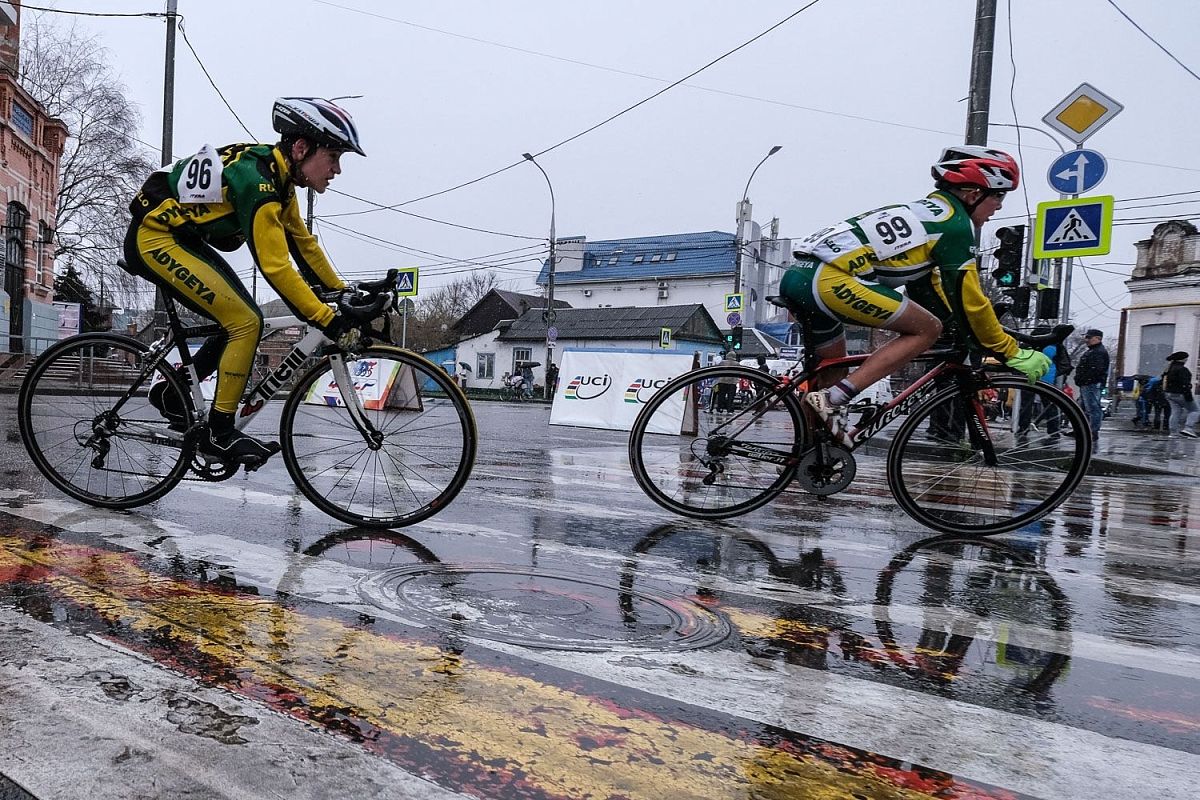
[551, 380]
[1090, 376]
[1158, 410]
[1177, 385]
[726, 386]
[1051, 422]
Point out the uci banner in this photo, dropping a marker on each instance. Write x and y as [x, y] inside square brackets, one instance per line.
[602, 389]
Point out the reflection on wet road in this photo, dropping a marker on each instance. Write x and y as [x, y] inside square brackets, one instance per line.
[553, 634]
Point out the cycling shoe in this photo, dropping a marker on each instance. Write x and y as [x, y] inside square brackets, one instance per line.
[235, 447]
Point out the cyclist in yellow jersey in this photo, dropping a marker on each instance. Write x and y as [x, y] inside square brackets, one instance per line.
[219, 199]
[850, 272]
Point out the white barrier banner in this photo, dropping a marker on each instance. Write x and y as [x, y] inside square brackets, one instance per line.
[373, 380]
[607, 390]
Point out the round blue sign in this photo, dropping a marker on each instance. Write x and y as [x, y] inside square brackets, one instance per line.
[1077, 171]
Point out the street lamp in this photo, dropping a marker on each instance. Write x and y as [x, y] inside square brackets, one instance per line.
[743, 218]
[547, 315]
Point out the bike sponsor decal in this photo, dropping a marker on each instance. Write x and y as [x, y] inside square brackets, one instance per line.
[642, 389]
[266, 390]
[903, 407]
[587, 387]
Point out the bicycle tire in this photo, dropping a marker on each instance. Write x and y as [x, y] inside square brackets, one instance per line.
[946, 486]
[696, 475]
[424, 460]
[66, 418]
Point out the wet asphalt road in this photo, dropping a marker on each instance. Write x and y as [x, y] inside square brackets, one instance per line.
[555, 634]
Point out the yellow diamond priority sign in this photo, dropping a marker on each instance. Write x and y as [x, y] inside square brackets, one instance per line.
[1082, 113]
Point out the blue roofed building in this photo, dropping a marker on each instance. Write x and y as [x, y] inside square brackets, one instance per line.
[646, 271]
[667, 270]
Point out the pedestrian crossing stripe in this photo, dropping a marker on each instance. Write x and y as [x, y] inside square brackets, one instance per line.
[1073, 227]
[406, 282]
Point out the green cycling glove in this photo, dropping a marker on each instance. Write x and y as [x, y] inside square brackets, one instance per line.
[1032, 363]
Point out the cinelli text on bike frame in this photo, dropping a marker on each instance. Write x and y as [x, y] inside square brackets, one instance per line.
[891, 412]
[270, 384]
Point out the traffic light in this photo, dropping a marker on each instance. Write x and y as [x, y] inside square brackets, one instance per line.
[1020, 305]
[1010, 256]
[735, 337]
[1047, 306]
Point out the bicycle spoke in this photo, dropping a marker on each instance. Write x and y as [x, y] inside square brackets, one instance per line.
[424, 451]
[954, 490]
[73, 385]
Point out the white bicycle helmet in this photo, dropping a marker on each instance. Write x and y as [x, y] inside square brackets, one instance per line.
[320, 121]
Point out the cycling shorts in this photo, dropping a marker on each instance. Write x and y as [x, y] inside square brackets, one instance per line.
[197, 277]
[833, 297]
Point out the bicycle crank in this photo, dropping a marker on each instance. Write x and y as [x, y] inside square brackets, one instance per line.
[828, 475]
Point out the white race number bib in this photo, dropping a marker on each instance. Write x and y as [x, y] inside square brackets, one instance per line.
[200, 179]
[893, 230]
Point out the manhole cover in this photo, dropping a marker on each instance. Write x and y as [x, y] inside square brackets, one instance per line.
[543, 610]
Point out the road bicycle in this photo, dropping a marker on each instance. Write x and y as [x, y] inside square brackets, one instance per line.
[514, 394]
[948, 466]
[372, 434]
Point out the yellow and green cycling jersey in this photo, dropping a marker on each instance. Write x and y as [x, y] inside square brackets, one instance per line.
[926, 246]
[258, 207]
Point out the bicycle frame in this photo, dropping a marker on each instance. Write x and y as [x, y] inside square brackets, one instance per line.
[918, 392]
[266, 389]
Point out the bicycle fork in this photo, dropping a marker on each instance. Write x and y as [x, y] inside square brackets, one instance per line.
[372, 436]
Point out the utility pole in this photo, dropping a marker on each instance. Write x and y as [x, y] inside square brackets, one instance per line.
[169, 86]
[980, 99]
[168, 129]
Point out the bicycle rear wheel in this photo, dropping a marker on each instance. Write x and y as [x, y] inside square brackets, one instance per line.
[697, 458]
[89, 427]
[938, 473]
[427, 446]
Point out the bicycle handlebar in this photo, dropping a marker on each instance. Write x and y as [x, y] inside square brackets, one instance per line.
[1056, 336]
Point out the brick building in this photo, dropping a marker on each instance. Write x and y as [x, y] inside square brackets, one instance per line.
[31, 144]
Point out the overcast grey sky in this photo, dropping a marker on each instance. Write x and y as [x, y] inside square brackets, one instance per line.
[862, 94]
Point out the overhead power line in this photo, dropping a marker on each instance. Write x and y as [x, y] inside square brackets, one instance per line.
[609, 119]
[1156, 42]
[204, 69]
[27, 7]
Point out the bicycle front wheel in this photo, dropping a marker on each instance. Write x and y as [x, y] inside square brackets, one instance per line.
[423, 455]
[702, 449]
[941, 475]
[89, 427]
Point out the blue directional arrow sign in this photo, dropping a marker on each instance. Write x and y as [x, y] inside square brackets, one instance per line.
[1077, 227]
[1077, 171]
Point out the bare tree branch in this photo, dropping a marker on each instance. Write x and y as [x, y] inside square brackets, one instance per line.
[102, 166]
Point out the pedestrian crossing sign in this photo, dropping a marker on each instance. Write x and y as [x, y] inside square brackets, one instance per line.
[733, 302]
[406, 282]
[1080, 226]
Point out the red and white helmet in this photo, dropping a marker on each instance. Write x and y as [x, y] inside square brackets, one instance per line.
[319, 121]
[975, 166]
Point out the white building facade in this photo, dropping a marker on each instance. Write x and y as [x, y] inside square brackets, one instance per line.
[1163, 315]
